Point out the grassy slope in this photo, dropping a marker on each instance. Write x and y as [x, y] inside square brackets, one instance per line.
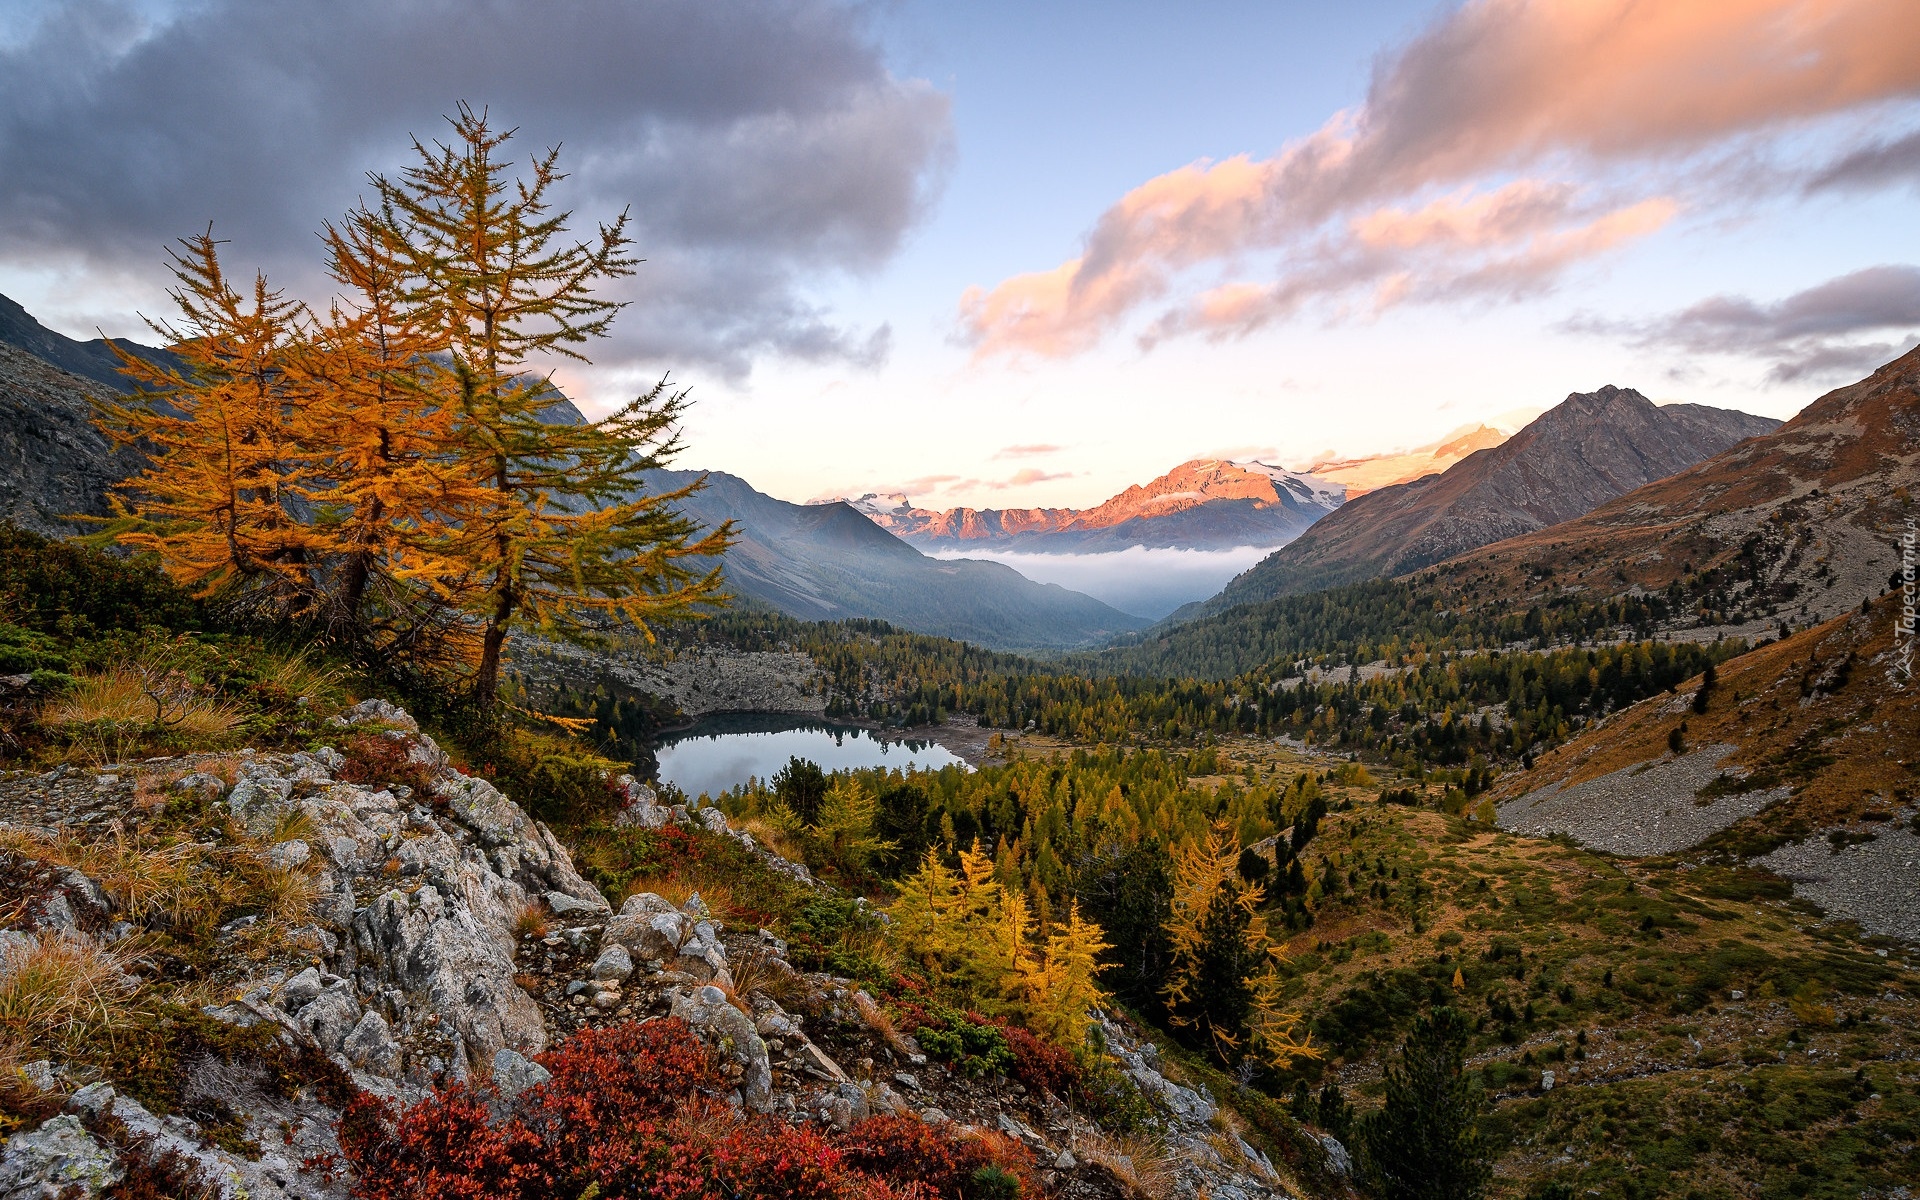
[1617, 976]
[1818, 712]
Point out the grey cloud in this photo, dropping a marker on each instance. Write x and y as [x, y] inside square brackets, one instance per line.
[758, 144]
[1811, 334]
[1872, 166]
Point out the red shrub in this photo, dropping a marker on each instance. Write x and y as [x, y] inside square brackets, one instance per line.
[445, 1146]
[1041, 1065]
[610, 1081]
[381, 760]
[631, 1112]
[905, 1149]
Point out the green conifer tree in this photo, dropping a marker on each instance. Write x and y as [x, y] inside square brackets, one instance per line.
[1423, 1143]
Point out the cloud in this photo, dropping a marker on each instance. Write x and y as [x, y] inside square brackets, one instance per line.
[1032, 451]
[1896, 160]
[1026, 477]
[1811, 334]
[1485, 107]
[757, 144]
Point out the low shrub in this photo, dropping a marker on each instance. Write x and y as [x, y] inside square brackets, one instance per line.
[970, 1043]
[634, 1110]
[71, 590]
[378, 759]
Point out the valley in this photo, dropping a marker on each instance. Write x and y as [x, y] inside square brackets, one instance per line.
[410, 785]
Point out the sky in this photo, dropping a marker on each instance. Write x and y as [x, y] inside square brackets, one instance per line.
[1005, 254]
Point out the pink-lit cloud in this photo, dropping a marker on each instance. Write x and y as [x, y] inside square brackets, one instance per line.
[1027, 477]
[1453, 177]
[1033, 451]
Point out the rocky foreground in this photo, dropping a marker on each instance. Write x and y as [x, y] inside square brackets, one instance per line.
[451, 940]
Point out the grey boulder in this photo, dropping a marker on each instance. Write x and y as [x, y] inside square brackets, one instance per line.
[57, 1161]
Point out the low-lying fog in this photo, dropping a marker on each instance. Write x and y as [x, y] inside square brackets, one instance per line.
[1147, 583]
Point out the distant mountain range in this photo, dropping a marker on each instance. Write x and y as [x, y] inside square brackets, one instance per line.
[1206, 504]
[817, 561]
[824, 562]
[1585, 451]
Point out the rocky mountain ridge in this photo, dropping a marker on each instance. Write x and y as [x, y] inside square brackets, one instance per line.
[826, 562]
[1795, 526]
[1587, 450]
[1201, 504]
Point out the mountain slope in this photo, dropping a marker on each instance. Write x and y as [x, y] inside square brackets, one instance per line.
[827, 562]
[53, 463]
[1802, 749]
[1587, 450]
[90, 359]
[1206, 504]
[1798, 525]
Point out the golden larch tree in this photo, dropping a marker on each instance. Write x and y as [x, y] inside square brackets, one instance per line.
[228, 466]
[549, 517]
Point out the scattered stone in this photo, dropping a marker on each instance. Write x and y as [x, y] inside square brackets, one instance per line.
[1065, 1161]
[563, 905]
[370, 1044]
[816, 1061]
[707, 1011]
[289, 854]
[377, 712]
[514, 1072]
[614, 964]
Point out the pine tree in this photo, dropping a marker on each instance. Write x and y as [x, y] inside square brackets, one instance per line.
[550, 520]
[1422, 1143]
[222, 438]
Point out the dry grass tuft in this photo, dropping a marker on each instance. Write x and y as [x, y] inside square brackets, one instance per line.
[762, 973]
[781, 841]
[300, 681]
[58, 990]
[531, 921]
[876, 1019]
[678, 889]
[112, 713]
[1144, 1166]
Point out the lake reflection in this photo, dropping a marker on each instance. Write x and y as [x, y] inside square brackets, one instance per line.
[722, 752]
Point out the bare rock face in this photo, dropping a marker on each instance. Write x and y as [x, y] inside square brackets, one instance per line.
[53, 462]
[59, 1159]
[422, 986]
[707, 1011]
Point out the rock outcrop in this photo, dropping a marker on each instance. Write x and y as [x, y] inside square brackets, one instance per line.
[457, 941]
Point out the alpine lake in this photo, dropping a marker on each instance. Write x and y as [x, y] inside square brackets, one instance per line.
[725, 750]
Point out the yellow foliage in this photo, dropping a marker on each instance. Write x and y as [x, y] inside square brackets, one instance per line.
[1273, 1029]
[1201, 870]
[1064, 985]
